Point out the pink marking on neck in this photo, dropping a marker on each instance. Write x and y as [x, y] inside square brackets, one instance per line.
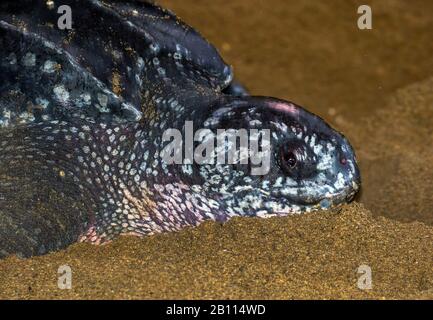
[284, 107]
[93, 237]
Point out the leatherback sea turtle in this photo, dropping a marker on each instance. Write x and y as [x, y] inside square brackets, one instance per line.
[82, 116]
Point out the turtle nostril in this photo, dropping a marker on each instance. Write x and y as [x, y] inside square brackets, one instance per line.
[343, 160]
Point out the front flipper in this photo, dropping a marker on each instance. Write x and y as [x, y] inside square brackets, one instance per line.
[36, 218]
[40, 206]
[137, 52]
[40, 82]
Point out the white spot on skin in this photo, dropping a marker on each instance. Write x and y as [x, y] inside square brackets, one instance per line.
[26, 117]
[330, 147]
[103, 100]
[339, 184]
[326, 160]
[317, 149]
[117, 55]
[313, 141]
[140, 63]
[61, 94]
[29, 60]
[49, 66]
[278, 182]
[86, 98]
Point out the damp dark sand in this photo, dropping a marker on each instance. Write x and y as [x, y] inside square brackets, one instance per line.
[377, 87]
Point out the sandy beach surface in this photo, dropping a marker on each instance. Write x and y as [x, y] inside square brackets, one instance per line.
[376, 87]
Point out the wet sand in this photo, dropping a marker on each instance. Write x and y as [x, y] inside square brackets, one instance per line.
[375, 86]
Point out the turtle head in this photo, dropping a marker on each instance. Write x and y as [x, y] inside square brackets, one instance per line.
[294, 161]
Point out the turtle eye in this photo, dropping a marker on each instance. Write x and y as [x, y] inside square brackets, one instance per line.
[288, 160]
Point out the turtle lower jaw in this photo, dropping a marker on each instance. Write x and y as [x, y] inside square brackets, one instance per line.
[336, 199]
[339, 198]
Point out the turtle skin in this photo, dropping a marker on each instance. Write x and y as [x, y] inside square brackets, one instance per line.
[82, 117]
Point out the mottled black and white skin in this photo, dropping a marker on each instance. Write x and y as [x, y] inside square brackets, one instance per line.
[82, 113]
